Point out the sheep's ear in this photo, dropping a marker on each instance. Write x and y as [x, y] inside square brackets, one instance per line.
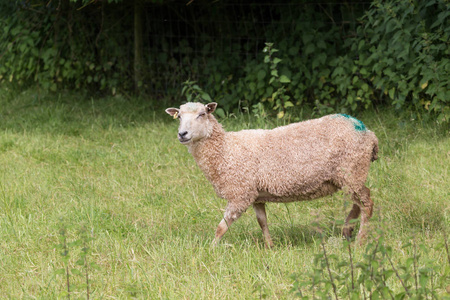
[211, 107]
[173, 112]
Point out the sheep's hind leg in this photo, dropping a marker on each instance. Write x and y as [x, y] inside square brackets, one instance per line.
[231, 214]
[354, 214]
[366, 212]
[260, 210]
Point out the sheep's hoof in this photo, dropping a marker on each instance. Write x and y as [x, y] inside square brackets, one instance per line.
[269, 246]
[347, 232]
[214, 243]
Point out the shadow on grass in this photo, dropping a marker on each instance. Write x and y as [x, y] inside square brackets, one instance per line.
[73, 113]
[292, 235]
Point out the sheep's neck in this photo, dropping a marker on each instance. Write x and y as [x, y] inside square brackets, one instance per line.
[208, 152]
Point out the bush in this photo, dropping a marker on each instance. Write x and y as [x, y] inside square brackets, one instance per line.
[397, 53]
[397, 56]
[404, 57]
[59, 45]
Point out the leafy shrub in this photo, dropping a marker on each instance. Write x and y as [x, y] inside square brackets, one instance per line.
[399, 56]
[397, 53]
[56, 45]
[404, 56]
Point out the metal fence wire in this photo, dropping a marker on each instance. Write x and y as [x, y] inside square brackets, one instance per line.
[181, 38]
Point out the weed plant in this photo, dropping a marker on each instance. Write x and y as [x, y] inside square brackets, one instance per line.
[139, 216]
[373, 276]
[66, 248]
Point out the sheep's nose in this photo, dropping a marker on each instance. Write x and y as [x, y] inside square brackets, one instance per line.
[182, 134]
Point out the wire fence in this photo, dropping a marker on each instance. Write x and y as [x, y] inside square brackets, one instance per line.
[180, 38]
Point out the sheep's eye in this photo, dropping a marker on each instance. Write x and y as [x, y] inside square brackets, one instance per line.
[201, 115]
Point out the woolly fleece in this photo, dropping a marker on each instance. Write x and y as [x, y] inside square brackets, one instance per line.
[300, 161]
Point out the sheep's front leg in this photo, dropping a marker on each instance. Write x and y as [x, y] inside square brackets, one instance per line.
[232, 213]
[260, 210]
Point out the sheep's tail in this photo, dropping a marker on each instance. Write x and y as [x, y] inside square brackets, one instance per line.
[375, 147]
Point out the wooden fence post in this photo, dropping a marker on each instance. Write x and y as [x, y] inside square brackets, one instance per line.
[138, 42]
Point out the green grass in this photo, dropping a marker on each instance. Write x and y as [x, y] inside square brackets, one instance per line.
[115, 167]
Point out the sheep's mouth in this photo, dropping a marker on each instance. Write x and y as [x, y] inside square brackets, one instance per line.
[184, 141]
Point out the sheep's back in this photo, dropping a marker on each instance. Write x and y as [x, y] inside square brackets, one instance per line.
[301, 158]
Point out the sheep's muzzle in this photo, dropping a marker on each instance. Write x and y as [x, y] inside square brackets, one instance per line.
[182, 137]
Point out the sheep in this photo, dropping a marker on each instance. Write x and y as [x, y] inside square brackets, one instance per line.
[296, 162]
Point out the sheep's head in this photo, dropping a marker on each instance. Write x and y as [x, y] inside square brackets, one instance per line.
[195, 121]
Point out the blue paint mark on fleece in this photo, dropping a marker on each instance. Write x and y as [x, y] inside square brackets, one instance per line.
[359, 126]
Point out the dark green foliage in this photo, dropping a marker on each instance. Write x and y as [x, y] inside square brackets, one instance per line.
[277, 97]
[331, 57]
[59, 44]
[404, 54]
[399, 55]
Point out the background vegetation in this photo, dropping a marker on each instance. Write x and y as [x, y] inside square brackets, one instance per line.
[102, 187]
[344, 56]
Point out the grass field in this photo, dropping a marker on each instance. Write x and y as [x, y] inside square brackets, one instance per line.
[112, 169]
